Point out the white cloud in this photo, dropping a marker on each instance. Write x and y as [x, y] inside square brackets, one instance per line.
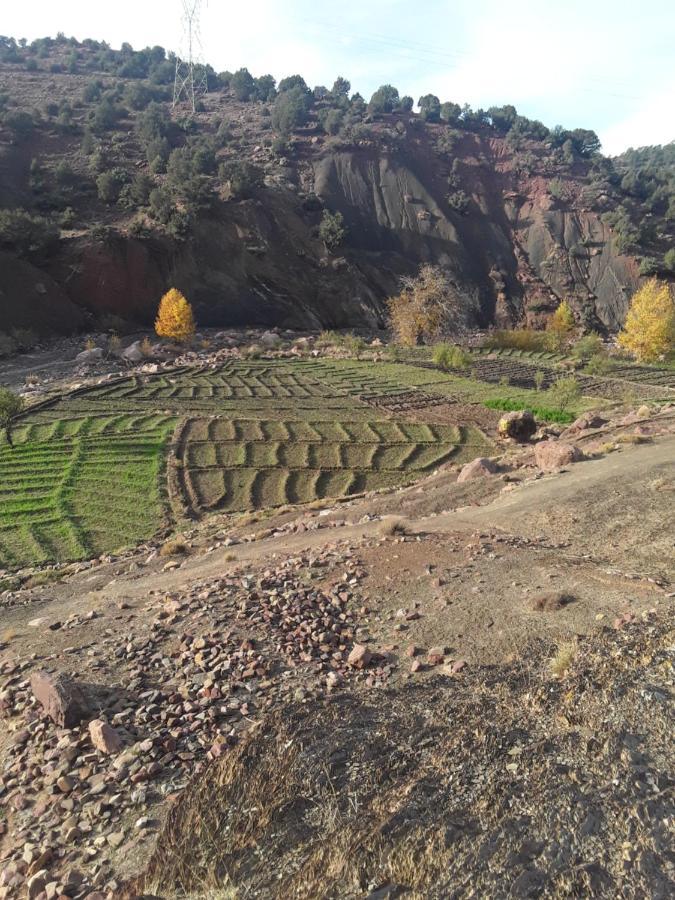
[652, 123]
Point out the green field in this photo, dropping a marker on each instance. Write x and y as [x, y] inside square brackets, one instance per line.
[88, 474]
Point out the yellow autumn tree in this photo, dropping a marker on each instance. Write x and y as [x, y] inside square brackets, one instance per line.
[174, 317]
[561, 325]
[427, 305]
[649, 331]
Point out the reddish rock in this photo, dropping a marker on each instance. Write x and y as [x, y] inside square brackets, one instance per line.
[584, 422]
[435, 656]
[479, 468]
[416, 666]
[359, 657]
[61, 698]
[552, 455]
[104, 737]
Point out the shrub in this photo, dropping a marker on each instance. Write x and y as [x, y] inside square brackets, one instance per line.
[24, 233]
[391, 526]
[242, 178]
[10, 407]
[564, 392]
[20, 122]
[518, 339]
[106, 115]
[291, 109]
[587, 346]
[599, 364]
[449, 356]
[556, 188]
[174, 546]
[332, 230]
[539, 379]
[24, 338]
[669, 260]
[109, 184]
[649, 331]
[459, 201]
[353, 344]
[7, 345]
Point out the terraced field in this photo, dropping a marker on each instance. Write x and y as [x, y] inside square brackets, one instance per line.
[71, 488]
[235, 464]
[88, 474]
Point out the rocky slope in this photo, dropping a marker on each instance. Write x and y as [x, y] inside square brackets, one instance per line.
[509, 222]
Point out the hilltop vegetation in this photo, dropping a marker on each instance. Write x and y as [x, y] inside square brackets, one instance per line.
[98, 170]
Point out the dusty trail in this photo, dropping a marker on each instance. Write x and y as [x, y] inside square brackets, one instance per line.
[598, 507]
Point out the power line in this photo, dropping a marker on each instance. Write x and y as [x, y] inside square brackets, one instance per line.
[431, 54]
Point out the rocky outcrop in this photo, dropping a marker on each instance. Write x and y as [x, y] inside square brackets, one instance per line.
[511, 250]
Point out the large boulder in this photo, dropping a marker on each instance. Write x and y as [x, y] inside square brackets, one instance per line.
[479, 468]
[133, 353]
[552, 455]
[519, 425]
[61, 698]
[270, 340]
[89, 357]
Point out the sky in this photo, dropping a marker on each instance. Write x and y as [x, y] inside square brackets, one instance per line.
[608, 65]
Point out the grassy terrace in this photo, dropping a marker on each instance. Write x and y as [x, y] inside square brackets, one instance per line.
[87, 474]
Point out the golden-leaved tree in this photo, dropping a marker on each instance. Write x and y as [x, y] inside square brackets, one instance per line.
[427, 305]
[561, 325]
[649, 331]
[175, 320]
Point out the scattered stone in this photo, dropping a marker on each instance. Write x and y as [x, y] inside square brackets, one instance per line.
[61, 698]
[479, 468]
[89, 357]
[552, 455]
[270, 340]
[104, 737]
[359, 657]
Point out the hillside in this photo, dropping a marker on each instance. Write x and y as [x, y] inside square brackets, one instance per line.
[108, 196]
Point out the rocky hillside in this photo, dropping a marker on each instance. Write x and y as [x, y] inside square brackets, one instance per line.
[108, 196]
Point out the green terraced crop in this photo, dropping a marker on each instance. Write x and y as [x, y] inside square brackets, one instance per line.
[93, 491]
[87, 473]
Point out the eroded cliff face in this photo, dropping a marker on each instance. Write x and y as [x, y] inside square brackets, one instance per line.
[514, 252]
[511, 249]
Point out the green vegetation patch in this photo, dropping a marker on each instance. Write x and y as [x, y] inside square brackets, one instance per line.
[94, 489]
[540, 412]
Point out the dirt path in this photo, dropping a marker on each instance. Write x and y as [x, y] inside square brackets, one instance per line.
[598, 507]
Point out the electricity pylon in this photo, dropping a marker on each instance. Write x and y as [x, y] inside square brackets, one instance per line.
[190, 81]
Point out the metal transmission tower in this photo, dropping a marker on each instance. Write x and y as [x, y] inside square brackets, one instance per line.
[190, 81]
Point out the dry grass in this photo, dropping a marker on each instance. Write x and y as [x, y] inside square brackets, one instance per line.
[174, 547]
[633, 439]
[415, 786]
[392, 526]
[563, 659]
